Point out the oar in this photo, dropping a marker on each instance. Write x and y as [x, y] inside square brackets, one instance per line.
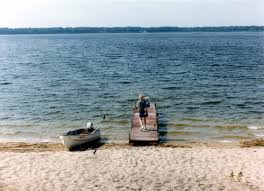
[94, 130]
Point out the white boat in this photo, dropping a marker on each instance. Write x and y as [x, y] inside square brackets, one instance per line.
[80, 136]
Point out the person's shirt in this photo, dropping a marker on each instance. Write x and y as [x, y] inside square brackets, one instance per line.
[142, 105]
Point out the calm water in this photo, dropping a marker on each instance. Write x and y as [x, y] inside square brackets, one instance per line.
[208, 86]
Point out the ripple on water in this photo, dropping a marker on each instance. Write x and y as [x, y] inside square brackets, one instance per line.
[203, 91]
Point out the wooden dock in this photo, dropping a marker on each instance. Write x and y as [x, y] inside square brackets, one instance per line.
[148, 136]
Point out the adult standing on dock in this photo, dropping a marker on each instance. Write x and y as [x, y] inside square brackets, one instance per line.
[142, 105]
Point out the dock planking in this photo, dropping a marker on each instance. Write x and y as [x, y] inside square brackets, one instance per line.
[151, 135]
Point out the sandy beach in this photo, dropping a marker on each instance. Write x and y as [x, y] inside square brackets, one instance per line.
[123, 167]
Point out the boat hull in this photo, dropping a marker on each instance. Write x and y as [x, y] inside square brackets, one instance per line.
[70, 141]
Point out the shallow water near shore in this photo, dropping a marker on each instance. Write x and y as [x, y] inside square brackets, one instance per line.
[208, 86]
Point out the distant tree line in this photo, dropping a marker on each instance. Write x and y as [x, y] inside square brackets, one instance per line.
[70, 30]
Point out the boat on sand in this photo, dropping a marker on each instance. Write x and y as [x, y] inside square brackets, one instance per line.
[79, 137]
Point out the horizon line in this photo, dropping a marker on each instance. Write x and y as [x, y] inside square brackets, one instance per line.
[205, 26]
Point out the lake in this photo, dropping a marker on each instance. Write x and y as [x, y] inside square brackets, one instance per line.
[207, 86]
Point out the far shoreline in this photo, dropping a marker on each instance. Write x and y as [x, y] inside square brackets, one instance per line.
[128, 30]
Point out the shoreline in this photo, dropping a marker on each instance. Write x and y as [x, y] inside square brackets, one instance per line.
[56, 147]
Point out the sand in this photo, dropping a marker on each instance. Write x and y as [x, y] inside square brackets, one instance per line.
[199, 167]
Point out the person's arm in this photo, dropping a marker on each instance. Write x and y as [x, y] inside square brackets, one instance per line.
[136, 107]
[147, 103]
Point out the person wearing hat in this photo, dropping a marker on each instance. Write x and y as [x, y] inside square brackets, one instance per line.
[142, 105]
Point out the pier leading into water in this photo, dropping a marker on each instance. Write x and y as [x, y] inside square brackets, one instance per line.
[148, 136]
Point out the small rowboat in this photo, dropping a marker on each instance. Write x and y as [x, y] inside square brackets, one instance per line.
[79, 137]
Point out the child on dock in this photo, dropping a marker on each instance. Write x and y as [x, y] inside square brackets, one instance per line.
[142, 105]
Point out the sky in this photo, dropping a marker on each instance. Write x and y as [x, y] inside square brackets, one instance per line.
[109, 13]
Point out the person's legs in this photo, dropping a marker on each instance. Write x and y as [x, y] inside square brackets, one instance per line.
[141, 123]
[145, 122]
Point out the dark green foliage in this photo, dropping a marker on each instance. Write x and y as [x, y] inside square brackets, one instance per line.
[69, 30]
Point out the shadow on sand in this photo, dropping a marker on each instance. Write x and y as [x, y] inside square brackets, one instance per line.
[88, 146]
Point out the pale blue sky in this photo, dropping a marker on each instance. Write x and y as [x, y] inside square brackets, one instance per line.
[73, 13]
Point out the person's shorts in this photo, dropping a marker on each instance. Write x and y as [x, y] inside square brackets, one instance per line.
[143, 114]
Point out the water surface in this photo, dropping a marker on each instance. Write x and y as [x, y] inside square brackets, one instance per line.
[208, 86]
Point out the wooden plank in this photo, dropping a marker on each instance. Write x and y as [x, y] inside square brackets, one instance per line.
[150, 135]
